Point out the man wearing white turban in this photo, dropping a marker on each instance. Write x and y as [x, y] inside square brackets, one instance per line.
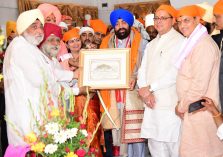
[24, 66]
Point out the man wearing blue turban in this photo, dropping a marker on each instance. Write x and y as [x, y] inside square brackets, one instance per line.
[124, 36]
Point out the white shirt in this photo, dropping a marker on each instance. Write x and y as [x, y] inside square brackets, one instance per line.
[25, 68]
[157, 69]
[220, 132]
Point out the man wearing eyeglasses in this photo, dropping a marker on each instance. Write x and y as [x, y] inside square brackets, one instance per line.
[198, 65]
[218, 13]
[157, 86]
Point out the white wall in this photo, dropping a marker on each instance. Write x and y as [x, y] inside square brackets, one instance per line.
[180, 3]
[8, 11]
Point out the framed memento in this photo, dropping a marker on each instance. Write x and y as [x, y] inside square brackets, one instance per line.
[104, 68]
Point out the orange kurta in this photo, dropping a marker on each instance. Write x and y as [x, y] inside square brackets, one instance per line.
[198, 77]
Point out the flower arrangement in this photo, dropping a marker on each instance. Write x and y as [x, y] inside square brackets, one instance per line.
[58, 133]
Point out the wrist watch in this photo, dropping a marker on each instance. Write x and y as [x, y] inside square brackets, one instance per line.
[150, 89]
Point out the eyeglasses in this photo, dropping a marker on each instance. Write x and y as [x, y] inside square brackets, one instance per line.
[184, 21]
[161, 18]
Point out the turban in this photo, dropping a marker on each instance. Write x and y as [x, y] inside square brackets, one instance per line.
[141, 21]
[66, 17]
[168, 9]
[73, 33]
[26, 18]
[63, 24]
[208, 16]
[84, 29]
[98, 26]
[123, 14]
[149, 20]
[49, 29]
[10, 27]
[191, 10]
[48, 9]
[218, 7]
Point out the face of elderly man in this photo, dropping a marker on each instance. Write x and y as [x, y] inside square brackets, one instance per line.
[187, 24]
[87, 37]
[122, 29]
[219, 21]
[98, 37]
[51, 46]
[163, 21]
[34, 33]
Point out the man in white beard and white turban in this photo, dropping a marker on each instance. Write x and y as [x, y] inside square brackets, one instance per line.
[24, 65]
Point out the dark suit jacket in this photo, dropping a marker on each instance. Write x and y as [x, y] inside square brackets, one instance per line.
[218, 38]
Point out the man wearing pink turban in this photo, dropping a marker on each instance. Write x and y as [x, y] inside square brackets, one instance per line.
[50, 12]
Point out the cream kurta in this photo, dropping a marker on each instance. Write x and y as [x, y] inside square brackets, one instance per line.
[198, 77]
[23, 69]
[157, 69]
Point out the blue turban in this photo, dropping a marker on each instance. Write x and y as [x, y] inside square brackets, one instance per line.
[123, 14]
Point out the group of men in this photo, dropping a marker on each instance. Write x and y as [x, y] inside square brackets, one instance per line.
[167, 74]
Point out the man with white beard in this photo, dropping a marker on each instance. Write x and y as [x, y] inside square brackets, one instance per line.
[25, 69]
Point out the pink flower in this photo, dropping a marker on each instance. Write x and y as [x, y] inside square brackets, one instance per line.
[81, 152]
[72, 113]
[92, 149]
[82, 126]
[67, 150]
[82, 142]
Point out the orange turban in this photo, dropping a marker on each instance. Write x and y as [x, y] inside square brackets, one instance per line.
[171, 10]
[10, 27]
[218, 7]
[98, 26]
[191, 10]
[73, 33]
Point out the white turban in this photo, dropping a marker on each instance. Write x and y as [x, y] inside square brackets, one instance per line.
[84, 29]
[149, 20]
[63, 24]
[208, 16]
[26, 18]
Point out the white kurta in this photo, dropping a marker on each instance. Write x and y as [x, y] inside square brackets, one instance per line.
[157, 69]
[23, 69]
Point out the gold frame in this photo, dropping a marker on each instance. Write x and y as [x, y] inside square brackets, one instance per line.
[104, 68]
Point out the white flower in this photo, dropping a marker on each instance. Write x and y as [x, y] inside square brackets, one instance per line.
[71, 133]
[50, 148]
[52, 128]
[84, 132]
[60, 137]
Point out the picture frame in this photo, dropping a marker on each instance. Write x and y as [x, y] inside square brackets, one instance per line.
[104, 68]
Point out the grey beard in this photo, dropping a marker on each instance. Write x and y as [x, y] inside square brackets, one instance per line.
[50, 51]
[32, 39]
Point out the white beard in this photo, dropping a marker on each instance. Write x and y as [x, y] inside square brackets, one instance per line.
[35, 40]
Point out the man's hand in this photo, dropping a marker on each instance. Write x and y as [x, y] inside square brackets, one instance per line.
[76, 74]
[150, 101]
[132, 83]
[179, 114]
[144, 92]
[147, 96]
[73, 62]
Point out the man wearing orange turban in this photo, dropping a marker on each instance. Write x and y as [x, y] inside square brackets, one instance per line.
[10, 31]
[100, 30]
[157, 86]
[198, 64]
[218, 13]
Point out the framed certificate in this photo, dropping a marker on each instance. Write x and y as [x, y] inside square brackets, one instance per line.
[104, 68]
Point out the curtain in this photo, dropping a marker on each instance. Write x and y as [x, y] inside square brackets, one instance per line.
[76, 11]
